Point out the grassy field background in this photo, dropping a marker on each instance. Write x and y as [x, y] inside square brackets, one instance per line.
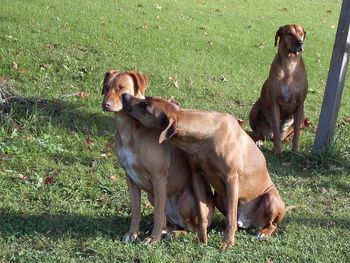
[63, 198]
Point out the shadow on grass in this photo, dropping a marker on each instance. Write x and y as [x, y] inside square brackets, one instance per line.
[326, 221]
[59, 113]
[60, 225]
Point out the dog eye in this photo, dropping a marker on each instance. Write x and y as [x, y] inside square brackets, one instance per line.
[290, 34]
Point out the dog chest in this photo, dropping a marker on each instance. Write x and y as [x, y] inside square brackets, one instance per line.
[127, 159]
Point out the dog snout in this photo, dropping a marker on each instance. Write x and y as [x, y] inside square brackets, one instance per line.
[300, 42]
[106, 105]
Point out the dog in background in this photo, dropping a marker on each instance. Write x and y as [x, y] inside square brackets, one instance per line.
[230, 161]
[279, 112]
[160, 170]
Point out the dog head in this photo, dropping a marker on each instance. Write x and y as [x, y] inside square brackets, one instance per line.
[116, 83]
[291, 37]
[153, 112]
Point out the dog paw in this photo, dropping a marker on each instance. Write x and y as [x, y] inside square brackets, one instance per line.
[150, 240]
[226, 244]
[130, 237]
[261, 236]
[202, 240]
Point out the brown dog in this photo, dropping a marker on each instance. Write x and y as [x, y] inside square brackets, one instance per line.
[280, 109]
[227, 157]
[160, 170]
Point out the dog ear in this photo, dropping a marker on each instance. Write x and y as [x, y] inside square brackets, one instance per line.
[106, 77]
[278, 34]
[168, 132]
[140, 82]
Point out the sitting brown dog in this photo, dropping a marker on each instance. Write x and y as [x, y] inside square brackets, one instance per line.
[228, 158]
[160, 170]
[280, 109]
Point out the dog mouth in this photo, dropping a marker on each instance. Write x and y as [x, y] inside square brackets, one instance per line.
[107, 107]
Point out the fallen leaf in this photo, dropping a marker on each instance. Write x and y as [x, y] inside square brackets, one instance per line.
[223, 79]
[158, 7]
[291, 207]
[332, 26]
[306, 167]
[283, 9]
[190, 82]
[174, 81]
[44, 66]
[261, 45]
[113, 178]
[48, 180]
[14, 65]
[323, 190]
[308, 123]
[334, 168]
[93, 163]
[268, 261]
[82, 94]
[88, 141]
[318, 61]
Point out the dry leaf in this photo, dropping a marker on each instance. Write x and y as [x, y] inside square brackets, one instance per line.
[48, 180]
[82, 94]
[306, 167]
[283, 9]
[158, 7]
[175, 82]
[308, 123]
[88, 141]
[223, 79]
[14, 65]
[332, 26]
[261, 45]
[334, 168]
[93, 163]
[44, 66]
[291, 207]
[113, 178]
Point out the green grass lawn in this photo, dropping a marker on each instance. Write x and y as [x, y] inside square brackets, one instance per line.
[63, 198]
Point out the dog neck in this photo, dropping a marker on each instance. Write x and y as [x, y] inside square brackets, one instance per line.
[189, 126]
[287, 55]
[125, 125]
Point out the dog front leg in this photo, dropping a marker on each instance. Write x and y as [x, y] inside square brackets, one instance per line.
[160, 194]
[276, 130]
[135, 200]
[232, 206]
[298, 118]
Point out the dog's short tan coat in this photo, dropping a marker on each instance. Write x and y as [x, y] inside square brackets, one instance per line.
[230, 161]
[280, 109]
[160, 170]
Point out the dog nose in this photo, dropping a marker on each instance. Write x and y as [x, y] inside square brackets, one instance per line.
[106, 105]
[300, 42]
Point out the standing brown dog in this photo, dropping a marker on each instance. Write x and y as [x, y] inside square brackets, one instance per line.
[228, 158]
[280, 109]
[160, 170]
